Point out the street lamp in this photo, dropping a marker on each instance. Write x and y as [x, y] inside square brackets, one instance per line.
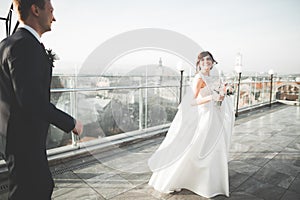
[238, 69]
[180, 68]
[271, 73]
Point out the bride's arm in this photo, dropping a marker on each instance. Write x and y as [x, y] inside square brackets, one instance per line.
[200, 84]
[204, 100]
[198, 101]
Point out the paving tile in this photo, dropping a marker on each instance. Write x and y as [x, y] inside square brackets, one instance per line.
[261, 190]
[150, 191]
[140, 167]
[286, 163]
[291, 158]
[268, 175]
[291, 130]
[65, 179]
[243, 167]
[84, 192]
[57, 167]
[238, 147]
[296, 163]
[236, 179]
[265, 147]
[233, 155]
[79, 162]
[282, 167]
[251, 139]
[93, 171]
[134, 195]
[110, 186]
[137, 178]
[256, 158]
[110, 155]
[291, 149]
[242, 196]
[295, 186]
[290, 195]
[294, 145]
[279, 140]
[127, 162]
[187, 195]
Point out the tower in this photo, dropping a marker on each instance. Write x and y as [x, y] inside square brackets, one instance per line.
[238, 59]
[160, 62]
[238, 62]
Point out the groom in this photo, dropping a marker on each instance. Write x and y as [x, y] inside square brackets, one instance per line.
[25, 108]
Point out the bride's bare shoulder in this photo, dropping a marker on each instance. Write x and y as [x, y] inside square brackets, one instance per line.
[198, 75]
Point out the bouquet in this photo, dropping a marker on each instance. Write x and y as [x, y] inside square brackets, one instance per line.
[221, 91]
[229, 89]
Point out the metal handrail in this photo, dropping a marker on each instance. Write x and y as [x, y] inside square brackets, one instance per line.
[110, 88]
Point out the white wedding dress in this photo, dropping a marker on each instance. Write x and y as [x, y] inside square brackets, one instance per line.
[194, 153]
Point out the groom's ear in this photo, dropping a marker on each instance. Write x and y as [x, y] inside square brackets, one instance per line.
[35, 10]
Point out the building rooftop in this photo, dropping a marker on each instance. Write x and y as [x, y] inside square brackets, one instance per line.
[264, 164]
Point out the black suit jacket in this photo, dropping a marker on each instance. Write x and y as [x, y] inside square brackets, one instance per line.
[25, 108]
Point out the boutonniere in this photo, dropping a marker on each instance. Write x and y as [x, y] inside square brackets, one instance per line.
[52, 56]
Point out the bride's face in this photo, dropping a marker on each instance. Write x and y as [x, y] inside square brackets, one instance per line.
[206, 64]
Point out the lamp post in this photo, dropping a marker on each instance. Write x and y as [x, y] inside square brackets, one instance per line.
[238, 69]
[180, 68]
[271, 73]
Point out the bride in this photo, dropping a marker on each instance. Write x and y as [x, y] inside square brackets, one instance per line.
[194, 153]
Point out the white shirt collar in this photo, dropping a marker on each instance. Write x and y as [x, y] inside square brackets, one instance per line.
[32, 31]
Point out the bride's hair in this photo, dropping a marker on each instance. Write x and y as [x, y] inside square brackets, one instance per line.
[202, 55]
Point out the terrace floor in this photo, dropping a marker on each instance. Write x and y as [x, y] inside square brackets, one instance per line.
[264, 164]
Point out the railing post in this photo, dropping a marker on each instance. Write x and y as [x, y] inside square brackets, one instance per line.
[299, 95]
[271, 88]
[140, 107]
[263, 90]
[180, 87]
[146, 100]
[238, 95]
[73, 108]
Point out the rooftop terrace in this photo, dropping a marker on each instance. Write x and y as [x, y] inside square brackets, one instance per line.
[264, 164]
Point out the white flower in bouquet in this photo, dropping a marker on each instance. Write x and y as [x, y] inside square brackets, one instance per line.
[222, 90]
[229, 89]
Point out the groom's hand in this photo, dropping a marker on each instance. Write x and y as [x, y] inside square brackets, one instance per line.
[78, 128]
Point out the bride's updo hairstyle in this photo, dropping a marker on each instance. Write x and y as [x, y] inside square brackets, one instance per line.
[202, 55]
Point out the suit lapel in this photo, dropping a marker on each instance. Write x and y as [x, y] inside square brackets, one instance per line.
[44, 54]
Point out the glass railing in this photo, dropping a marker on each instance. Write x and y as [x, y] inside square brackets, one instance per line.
[111, 105]
[260, 90]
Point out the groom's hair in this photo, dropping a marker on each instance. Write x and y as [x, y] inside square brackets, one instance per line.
[23, 6]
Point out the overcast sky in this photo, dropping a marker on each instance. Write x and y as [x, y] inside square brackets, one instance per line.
[266, 32]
